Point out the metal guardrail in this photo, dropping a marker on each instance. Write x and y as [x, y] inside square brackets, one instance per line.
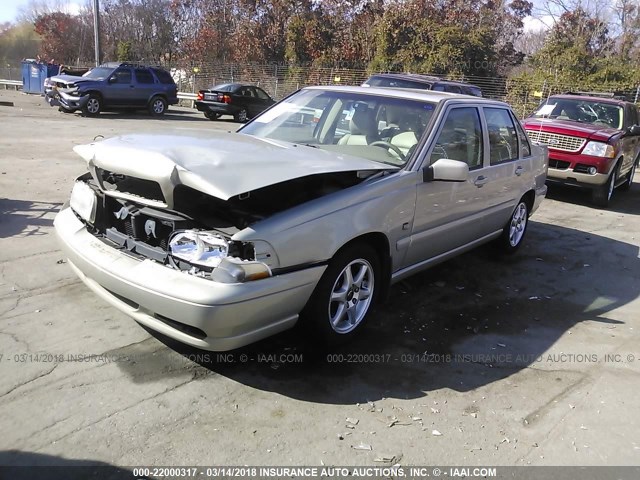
[190, 97]
[18, 83]
[11, 83]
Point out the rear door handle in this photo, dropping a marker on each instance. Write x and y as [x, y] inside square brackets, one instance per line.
[519, 171]
[480, 181]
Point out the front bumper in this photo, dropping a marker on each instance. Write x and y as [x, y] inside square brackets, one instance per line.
[564, 168]
[569, 177]
[57, 98]
[72, 102]
[192, 310]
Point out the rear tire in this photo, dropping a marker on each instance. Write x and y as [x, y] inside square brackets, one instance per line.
[514, 231]
[157, 106]
[342, 299]
[212, 115]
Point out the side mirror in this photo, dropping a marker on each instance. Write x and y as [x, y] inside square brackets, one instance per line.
[113, 79]
[633, 131]
[446, 170]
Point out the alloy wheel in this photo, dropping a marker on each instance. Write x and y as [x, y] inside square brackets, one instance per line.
[518, 224]
[93, 106]
[158, 106]
[351, 296]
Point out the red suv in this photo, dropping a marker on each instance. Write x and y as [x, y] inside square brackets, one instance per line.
[594, 142]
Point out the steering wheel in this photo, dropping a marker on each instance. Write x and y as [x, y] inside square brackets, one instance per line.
[383, 144]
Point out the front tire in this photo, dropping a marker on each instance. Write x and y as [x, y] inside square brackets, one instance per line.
[242, 116]
[515, 229]
[341, 301]
[157, 106]
[93, 106]
[601, 195]
[626, 186]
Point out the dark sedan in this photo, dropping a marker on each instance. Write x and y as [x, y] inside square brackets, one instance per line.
[239, 100]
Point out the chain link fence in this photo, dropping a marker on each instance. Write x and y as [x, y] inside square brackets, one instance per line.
[280, 80]
[11, 73]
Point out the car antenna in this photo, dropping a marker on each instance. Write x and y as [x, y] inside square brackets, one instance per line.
[549, 114]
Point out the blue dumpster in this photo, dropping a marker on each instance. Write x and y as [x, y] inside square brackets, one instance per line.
[34, 74]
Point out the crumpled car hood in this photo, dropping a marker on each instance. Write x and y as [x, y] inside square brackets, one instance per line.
[219, 164]
[68, 79]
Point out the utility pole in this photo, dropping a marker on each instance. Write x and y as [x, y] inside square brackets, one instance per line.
[96, 29]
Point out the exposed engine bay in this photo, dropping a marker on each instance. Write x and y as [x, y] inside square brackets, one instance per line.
[194, 235]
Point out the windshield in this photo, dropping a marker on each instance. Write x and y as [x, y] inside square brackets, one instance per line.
[98, 73]
[379, 128]
[584, 111]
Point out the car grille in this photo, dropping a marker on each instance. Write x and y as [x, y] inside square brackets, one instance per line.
[558, 164]
[137, 187]
[557, 141]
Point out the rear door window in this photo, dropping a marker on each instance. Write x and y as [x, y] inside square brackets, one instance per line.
[163, 76]
[503, 139]
[525, 147]
[143, 76]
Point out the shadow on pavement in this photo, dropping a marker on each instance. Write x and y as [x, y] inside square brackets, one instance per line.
[464, 324]
[622, 202]
[17, 465]
[25, 218]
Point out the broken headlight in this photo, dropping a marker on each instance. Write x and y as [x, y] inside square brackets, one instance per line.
[203, 249]
[211, 252]
[83, 201]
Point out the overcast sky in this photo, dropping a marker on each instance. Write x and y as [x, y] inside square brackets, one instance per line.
[9, 9]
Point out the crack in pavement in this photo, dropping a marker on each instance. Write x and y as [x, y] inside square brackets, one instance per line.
[195, 376]
[29, 381]
[11, 309]
[2, 262]
[33, 292]
[15, 338]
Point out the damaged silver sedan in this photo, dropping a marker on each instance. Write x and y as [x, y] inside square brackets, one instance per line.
[307, 214]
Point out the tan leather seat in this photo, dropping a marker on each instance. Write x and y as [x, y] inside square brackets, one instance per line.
[407, 123]
[362, 128]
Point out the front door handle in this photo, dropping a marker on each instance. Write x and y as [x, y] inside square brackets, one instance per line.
[519, 171]
[480, 181]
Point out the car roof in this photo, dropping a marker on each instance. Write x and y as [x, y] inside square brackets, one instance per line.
[417, 77]
[129, 64]
[235, 84]
[411, 94]
[613, 101]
